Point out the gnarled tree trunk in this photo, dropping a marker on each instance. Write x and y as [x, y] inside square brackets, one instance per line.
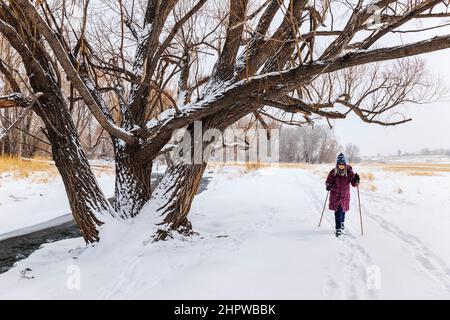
[86, 200]
[174, 196]
[133, 182]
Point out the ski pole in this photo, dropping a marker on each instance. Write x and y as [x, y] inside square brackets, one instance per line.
[324, 205]
[360, 214]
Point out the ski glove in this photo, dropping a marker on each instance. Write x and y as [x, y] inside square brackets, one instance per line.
[357, 179]
[328, 187]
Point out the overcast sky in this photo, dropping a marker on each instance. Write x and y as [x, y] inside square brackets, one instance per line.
[430, 127]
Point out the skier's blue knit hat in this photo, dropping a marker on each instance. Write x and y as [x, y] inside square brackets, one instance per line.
[341, 159]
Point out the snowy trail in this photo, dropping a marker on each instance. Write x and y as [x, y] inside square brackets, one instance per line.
[258, 238]
[432, 265]
[351, 254]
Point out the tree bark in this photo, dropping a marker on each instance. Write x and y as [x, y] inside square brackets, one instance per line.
[133, 182]
[174, 196]
[86, 200]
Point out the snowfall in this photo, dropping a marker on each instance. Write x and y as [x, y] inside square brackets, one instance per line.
[257, 238]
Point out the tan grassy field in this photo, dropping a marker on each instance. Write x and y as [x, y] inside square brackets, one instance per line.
[415, 168]
[39, 170]
[258, 165]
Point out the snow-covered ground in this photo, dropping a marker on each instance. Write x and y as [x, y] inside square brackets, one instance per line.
[25, 203]
[258, 239]
[39, 201]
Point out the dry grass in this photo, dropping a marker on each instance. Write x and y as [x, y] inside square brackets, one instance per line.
[367, 176]
[370, 187]
[20, 168]
[258, 165]
[40, 170]
[296, 165]
[253, 166]
[416, 167]
[422, 173]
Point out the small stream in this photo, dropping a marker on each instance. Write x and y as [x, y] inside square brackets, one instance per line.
[20, 247]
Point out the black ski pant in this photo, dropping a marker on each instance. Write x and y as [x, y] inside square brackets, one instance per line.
[339, 217]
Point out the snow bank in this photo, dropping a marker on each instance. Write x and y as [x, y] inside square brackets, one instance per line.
[24, 203]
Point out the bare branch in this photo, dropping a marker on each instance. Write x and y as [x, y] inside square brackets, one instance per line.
[9, 76]
[72, 74]
[28, 109]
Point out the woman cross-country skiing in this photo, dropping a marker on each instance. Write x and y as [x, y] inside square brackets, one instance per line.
[338, 183]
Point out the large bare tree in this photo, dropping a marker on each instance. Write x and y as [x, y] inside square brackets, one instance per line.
[141, 68]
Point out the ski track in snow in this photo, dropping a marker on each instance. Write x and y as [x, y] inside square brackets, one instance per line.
[353, 255]
[122, 281]
[432, 264]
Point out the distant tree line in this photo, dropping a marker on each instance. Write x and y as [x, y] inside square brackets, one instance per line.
[316, 144]
[426, 152]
